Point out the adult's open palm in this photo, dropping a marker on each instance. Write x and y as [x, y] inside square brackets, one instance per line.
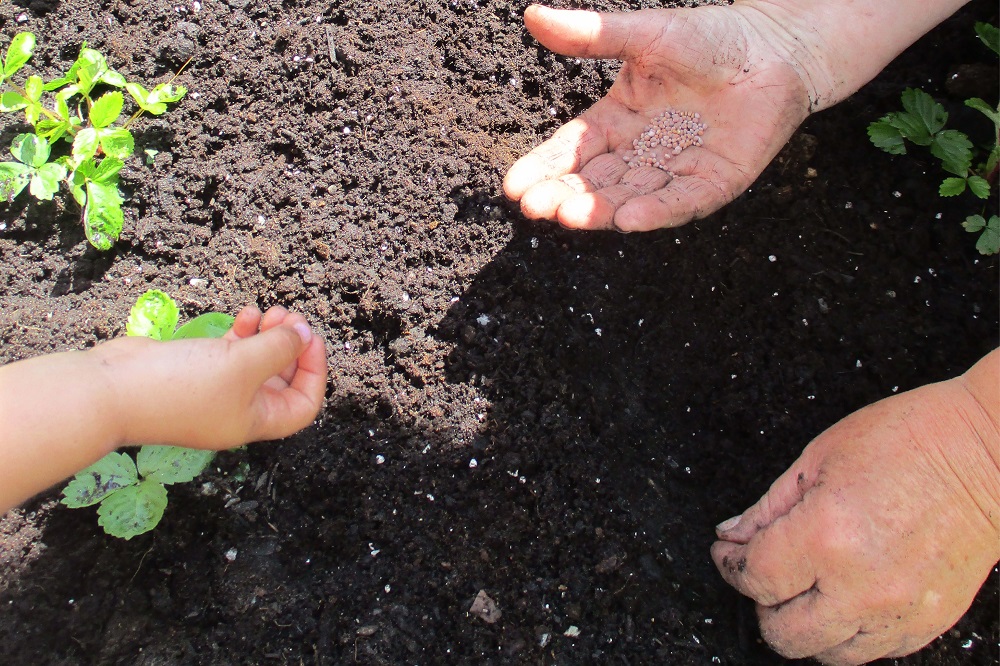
[725, 63]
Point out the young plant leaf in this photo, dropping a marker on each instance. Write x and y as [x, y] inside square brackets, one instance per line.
[117, 143]
[30, 149]
[85, 144]
[12, 101]
[45, 181]
[106, 109]
[172, 464]
[990, 35]
[979, 186]
[954, 150]
[102, 217]
[921, 105]
[18, 53]
[155, 102]
[208, 325]
[14, 177]
[112, 472]
[133, 510]
[910, 127]
[952, 187]
[154, 315]
[983, 107]
[887, 137]
[989, 240]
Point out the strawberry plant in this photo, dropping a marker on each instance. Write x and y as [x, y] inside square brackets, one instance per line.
[922, 123]
[131, 491]
[91, 123]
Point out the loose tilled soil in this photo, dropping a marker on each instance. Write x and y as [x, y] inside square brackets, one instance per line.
[557, 419]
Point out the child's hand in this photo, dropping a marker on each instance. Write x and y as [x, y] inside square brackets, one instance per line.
[264, 379]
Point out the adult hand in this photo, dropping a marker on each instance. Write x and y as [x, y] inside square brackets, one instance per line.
[754, 70]
[722, 62]
[877, 539]
[265, 379]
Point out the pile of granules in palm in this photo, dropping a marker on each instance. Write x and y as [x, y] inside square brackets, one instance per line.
[664, 137]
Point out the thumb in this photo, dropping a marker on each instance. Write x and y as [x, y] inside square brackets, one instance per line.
[585, 34]
[786, 492]
[270, 352]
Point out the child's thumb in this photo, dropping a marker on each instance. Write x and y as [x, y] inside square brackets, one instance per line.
[272, 351]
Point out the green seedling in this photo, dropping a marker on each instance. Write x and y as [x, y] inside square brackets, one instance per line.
[100, 141]
[922, 122]
[131, 492]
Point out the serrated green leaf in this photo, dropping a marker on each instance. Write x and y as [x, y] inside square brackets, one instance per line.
[18, 53]
[112, 472]
[139, 94]
[30, 149]
[117, 143]
[113, 78]
[166, 92]
[85, 144]
[154, 315]
[106, 109]
[979, 186]
[172, 464]
[989, 241]
[910, 127]
[45, 181]
[102, 216]
[106, 172]
[974, 223]
[12, 101]
[14, 177]
[920, 104]
[990, 36]
[954, 150]
[208, 325]
[983, 107]
[134, 510]
[951, 187]
[886, 137]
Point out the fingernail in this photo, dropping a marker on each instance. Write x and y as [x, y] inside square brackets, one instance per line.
[304, 332]
[729, 524]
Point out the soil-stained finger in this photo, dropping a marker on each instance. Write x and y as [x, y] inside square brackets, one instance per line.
[573, 145]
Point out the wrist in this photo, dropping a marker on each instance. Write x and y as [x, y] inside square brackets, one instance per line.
[982, 383]
[837, 47]
[119, 380]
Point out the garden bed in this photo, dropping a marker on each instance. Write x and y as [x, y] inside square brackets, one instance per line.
[555, 418]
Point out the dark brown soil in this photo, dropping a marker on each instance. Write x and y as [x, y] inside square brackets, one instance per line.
[619, 394]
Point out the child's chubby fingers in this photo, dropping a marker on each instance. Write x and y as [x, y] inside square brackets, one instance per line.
[286, 407]
[274, 316]
[247, 323]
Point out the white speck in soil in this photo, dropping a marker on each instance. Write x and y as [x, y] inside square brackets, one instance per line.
[572, 632]
[473, 464]
[534, 243]
[772, 258]
[916, 280]
[483, 320]
[231, 555]
[849, 205]
[857, 364]
[598, 331]
[379, 459]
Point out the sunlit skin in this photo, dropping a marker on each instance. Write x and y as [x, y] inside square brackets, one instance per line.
[61, 412]
[878, 537]
[754, 71]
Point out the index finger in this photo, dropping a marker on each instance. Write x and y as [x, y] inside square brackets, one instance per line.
[774, 566]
